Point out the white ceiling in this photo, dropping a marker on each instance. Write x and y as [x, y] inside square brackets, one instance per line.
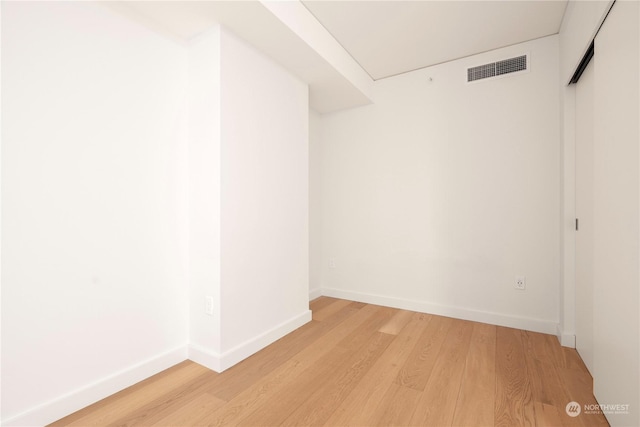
[333, 44]
[258, 23]
[392, 37]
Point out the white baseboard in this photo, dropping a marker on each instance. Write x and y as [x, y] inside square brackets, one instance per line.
[69, 403]
[205, 357]
[314, 293]
[566, 340]
[51, 411]
[221, 362]
[526, 323]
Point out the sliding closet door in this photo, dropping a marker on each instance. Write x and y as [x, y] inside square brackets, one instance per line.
[584, 213]
[616, 212]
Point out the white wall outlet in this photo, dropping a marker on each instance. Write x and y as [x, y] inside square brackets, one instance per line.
[332, 263]
[208, 305]
[521, 283]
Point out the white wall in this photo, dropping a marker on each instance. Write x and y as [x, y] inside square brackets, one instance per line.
[204, 195]
[437, 196]
[94, 199]
[616, 235]
[140, 176]
[579, 26]
[249, 200]
[584, 109]
[315, 205]
[566, 327]
[616, 329]
[264, 200]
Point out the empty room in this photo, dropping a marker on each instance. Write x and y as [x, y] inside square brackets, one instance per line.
[316, 212]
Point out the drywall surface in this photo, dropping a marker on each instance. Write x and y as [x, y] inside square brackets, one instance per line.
[437, 196]
[615, 325]
[204, 194]
[264, 198]
[347, 85]
[249, 200]
[616, 234]
[566, 326]
[580, 24]
[139, 177]
[584, 110]
[94, 207]
[315, 204]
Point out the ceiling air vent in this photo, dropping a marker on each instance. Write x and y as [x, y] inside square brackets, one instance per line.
[499, 68]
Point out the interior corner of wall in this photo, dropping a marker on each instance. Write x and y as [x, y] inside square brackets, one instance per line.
[315, 293]
[565, 339]
[251, 346]
[205, 357]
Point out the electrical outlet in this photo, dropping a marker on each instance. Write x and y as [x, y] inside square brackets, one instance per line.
[332, 263]
[208, 306]
[521, 283]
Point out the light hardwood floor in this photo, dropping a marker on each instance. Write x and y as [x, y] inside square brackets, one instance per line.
[358, 364]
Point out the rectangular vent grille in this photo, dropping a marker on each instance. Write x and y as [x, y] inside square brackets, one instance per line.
[499, 68]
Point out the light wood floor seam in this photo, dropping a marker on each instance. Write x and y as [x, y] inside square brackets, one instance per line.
[358, 364]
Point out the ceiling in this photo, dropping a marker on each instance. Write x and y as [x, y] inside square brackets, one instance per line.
[282, 30]
[333, 44]
[392, 37]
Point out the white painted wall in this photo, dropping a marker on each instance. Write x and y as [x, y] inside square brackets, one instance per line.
[264, 200]
[616, 329]
[566, 327]
[249, 200]
[94, 207]
[118, 217]
[616, 236]
[439, 194]
[584, 109]
[204, 195]
[579, 26]
[315, 205]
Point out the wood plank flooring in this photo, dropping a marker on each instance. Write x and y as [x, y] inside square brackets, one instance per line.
[358, 364]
